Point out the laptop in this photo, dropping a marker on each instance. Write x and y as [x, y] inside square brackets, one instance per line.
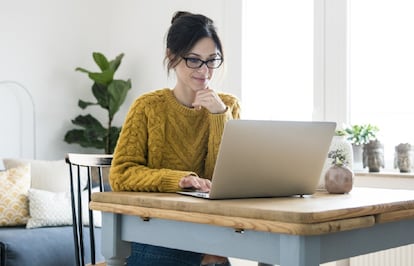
[259, 158]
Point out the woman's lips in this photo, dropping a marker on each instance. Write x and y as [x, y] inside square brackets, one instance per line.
[201, 79]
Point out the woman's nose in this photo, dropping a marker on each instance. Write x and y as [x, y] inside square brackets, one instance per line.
[203, 68]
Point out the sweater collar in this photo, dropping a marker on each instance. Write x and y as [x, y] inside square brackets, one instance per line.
[176, 105]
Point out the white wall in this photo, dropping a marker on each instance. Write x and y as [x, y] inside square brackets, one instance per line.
[42, 42]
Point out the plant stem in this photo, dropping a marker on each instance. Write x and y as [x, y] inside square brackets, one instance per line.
[108, 140]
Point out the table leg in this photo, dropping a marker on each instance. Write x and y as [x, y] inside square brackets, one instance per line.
[300, 250]
[114, 249]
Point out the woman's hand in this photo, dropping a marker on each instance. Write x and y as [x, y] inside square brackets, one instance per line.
[210, 100]
[192, 181]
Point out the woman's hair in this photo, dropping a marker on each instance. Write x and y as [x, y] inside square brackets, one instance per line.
[185, 31]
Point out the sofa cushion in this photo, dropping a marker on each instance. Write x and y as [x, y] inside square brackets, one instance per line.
[14, 185]
[47, 246]
[50, 175]
[54, 209]
[49, 208]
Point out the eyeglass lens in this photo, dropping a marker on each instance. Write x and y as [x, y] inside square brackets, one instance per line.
[197, 63]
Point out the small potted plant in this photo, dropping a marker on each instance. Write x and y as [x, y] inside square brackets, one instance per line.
[339, 142]
[359, 135]
[339, 177]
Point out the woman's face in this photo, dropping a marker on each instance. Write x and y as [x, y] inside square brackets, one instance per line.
[195, 79]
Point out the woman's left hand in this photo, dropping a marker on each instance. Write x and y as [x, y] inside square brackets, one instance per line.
[195, 182]
[210, 100]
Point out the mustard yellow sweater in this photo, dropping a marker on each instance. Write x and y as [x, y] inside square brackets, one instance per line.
[162, 141]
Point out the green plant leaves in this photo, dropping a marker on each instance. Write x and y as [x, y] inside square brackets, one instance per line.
[114, 64]
[101, 61]
[110, 94]
[103, 78]
[83, 104]
[101, 94]
[92, 134]
[361, 134]
[117, 91]
[81, 70]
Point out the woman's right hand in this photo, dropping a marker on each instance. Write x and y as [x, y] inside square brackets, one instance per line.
[192, 181]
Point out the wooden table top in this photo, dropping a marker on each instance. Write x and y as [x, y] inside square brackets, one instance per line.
[314, 214]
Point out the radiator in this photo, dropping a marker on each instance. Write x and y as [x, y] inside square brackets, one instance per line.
[402, 256]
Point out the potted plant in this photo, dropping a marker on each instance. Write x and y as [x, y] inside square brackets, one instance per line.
[110, 93]
[339, 177]
[339, 143]
[359, 135]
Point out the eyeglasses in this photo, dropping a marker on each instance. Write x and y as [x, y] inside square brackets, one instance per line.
[195, 63]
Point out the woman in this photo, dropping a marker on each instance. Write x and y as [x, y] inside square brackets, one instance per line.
[170, 138]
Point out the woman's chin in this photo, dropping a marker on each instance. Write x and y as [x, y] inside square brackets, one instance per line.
[199, 88]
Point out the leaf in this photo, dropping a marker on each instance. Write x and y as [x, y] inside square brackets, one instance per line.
[81, 137]
[103, 78]
[114, 64]
[117, 90]
[82, 70]
[100, 92]
[101, 61]
[90, 123]
[92, 135]
[83, 104]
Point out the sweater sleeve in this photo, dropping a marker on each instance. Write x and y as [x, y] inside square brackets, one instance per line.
[129, 170]
[217, 122]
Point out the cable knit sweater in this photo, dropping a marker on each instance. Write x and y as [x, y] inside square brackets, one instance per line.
[162, 141]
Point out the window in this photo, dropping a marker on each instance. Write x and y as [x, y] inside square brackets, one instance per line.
[364, 56]
[277, 69]
[381, 70]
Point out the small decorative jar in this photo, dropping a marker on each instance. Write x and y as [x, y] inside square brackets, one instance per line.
[339, 143]
[339, 179]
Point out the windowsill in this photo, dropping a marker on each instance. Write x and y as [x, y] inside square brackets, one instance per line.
[385, 179]
[360, 173]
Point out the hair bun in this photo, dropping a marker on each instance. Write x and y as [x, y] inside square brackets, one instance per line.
[179, 14]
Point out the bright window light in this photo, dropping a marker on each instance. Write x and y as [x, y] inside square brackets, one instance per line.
[277, 70]
[382, 69]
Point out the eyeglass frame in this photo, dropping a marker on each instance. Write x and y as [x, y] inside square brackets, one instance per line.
[202, 62]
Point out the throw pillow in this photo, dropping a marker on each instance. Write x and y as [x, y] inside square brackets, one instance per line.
[48, 175]
[48, 208]
[54, 209]
[14, 184]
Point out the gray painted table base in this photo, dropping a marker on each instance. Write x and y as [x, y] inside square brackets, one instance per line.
[269, 248]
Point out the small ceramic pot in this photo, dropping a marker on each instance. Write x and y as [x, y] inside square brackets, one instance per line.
[339, 179]
[338, 143]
